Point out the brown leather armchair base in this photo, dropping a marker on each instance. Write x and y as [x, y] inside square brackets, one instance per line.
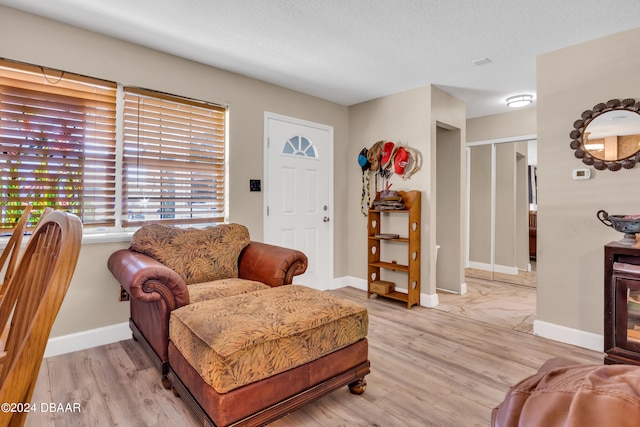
[261, 402]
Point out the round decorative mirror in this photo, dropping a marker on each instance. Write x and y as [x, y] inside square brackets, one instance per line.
[608, 136]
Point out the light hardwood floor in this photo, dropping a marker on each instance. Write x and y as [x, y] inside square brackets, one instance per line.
[429, 367]
[501, 304]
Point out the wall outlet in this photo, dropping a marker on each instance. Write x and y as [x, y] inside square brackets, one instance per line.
[124, 295]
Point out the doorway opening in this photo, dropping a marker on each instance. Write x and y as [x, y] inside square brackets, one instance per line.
[448, 239]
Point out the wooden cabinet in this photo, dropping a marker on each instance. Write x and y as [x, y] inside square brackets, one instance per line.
[379, 238]
[622, 304]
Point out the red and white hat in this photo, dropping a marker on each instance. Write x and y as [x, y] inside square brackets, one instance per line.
[406, 162]
[400, 160]
[388, 149]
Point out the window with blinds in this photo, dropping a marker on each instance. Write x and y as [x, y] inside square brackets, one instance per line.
[173, 160]
[57, 144]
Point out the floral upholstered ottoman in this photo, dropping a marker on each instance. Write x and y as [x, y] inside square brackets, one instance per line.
[239, 355]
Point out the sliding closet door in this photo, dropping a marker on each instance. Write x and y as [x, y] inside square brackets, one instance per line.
[499, 211]
[480, 204]
[511, 232]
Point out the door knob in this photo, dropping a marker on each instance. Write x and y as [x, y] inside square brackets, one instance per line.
[326, 219]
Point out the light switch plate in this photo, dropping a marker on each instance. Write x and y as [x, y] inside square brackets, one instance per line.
[254, 185]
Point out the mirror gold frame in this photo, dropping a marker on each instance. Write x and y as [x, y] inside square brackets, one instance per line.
[580, 134]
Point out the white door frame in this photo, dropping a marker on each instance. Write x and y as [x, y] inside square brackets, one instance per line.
[331, 211]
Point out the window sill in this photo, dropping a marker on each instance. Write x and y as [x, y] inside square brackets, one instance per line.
[87, 239]
[92, 238]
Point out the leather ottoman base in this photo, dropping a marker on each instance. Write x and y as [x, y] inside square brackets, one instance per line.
[273, 397]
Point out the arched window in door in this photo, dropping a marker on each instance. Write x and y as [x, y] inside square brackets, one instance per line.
[300, 146]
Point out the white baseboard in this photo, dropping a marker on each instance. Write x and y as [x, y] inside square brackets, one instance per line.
[503, 269]
[567, 335]
[506, 269]
[429, 300]
[345, 281]
[480, 266]
[87, 339]
[354, 282]
[463, 289]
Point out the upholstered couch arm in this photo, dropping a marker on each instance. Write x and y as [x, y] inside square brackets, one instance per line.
[269, 264]
[148, 280]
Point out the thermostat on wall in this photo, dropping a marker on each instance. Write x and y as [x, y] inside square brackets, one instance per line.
[581, 174]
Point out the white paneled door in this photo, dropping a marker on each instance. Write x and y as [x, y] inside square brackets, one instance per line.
[298, 193]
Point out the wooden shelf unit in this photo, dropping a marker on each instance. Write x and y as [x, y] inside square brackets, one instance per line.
[412, 203]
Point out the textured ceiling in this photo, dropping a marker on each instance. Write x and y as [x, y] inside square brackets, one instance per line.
[349, 51]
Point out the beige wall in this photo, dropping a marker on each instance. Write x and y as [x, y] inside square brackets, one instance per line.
[92, 297]
[403, 118]
[506, 125]
[413, 118]
[570, 238]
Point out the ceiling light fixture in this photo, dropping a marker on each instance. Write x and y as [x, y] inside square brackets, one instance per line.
[519, 101]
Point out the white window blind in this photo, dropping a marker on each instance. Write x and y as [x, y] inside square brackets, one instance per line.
[57, 144]
[173, 160]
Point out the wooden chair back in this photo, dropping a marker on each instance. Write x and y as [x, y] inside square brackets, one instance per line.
[31, 303]
[45, 212]
[12, 250]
